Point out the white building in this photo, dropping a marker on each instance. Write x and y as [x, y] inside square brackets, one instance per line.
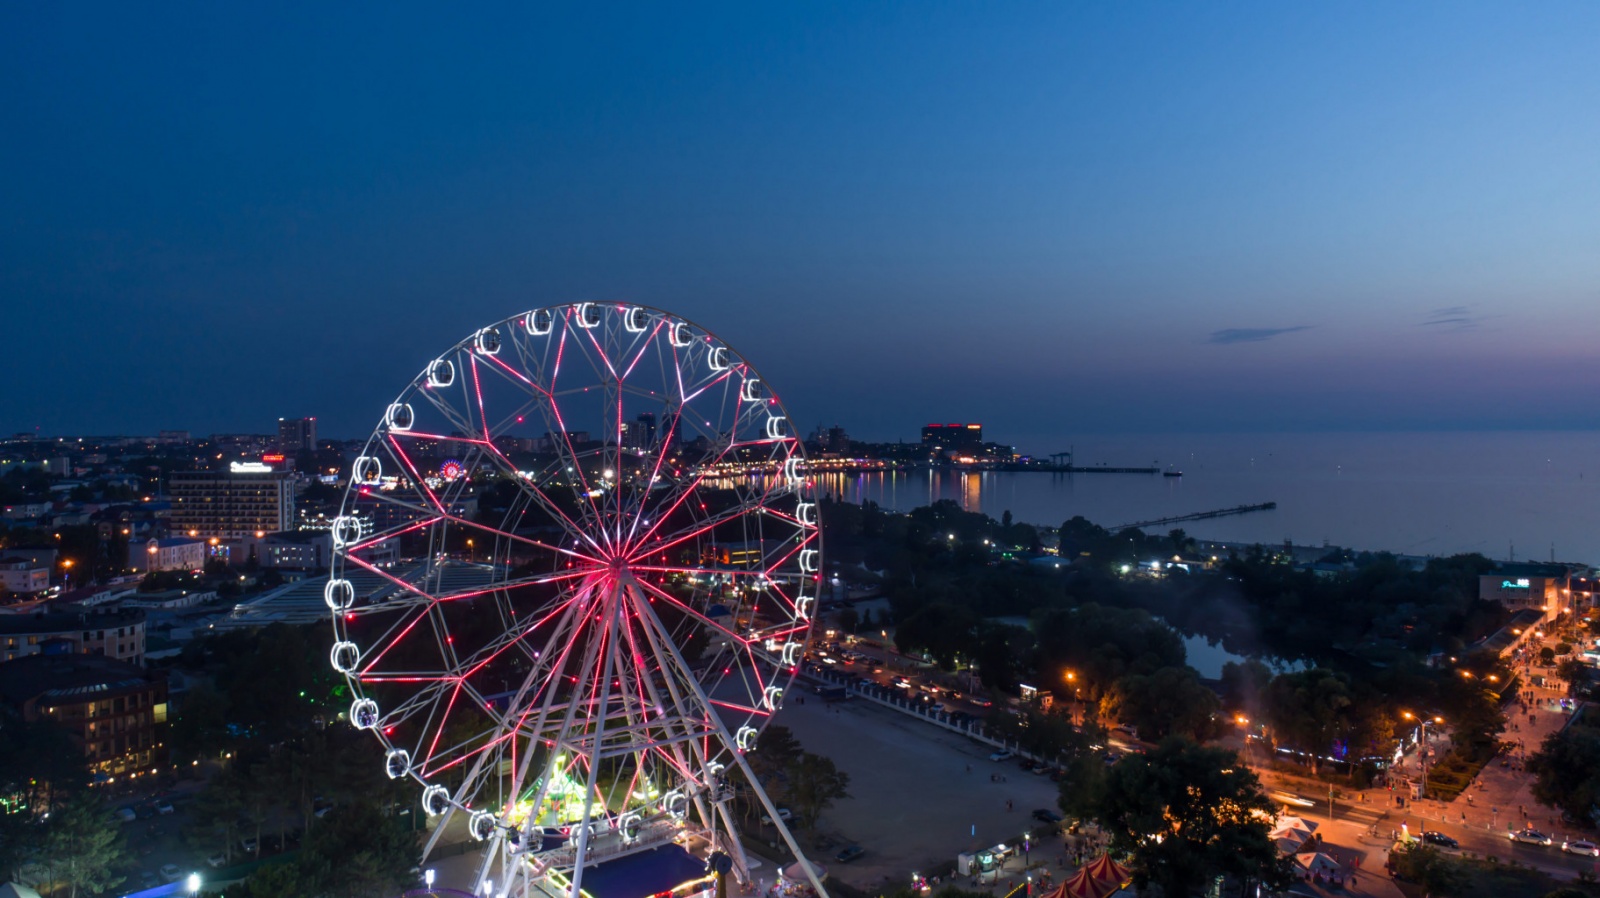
[24, 577]
[178, 553]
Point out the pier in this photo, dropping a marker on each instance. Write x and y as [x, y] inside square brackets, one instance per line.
[1197, 516]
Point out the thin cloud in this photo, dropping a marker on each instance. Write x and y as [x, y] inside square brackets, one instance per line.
[1252, 334]
[1452, 318]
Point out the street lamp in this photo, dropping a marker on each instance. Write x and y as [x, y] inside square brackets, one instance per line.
[1422, 723]
[427, 877]
[193, 883]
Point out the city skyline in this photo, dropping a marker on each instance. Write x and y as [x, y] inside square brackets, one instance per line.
[1051, 220]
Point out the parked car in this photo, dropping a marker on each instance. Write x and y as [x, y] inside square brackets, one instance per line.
[1529, 837]
[126, 815]
[248, 844]
[217, 860]
[163, 807]
[1581, 847]
[1045, 815]
[1001, 755]
[849, 854]
[171, 872]
[1434, 838]
[783, 814]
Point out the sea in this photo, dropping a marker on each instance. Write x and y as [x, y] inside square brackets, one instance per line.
[1510, 495]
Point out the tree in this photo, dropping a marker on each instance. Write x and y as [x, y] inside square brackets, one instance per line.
[1309, 709]
[1429, 868]
[357, 853]
[82, 846]
[1169, 701]
[776, 750]
[215, 815]
[1575, 673]
[849, 620]
[1206, 806]
[1566, 770]
[814, 785]
[274, 881]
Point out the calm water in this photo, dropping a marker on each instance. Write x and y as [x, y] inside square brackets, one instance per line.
[1416, 493]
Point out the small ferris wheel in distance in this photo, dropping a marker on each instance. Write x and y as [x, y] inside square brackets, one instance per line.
[574, 574]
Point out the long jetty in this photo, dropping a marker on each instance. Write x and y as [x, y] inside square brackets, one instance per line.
[1198, 516]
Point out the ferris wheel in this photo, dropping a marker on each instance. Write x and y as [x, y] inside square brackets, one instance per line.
[574, 573]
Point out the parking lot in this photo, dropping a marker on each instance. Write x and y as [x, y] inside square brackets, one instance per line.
[919, 794]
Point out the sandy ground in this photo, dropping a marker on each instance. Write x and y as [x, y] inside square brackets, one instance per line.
[918, 792]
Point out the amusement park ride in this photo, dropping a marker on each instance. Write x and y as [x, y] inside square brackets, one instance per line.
[584, 682]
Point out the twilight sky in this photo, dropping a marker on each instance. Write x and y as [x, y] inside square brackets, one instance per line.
[1056, 218]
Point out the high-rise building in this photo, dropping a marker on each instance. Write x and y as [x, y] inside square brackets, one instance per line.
[953, 436]
[238, 503]
[296, 435]
[641, 434]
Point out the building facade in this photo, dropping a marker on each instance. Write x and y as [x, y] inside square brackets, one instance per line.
[297, 435]
[177, 553]
[24, 577]
[1541, 586]
[115, 712]
[231, 505]
[118, 635]
[953, 436]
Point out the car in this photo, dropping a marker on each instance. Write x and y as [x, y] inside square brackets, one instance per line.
[1001, 755]
[148, 880]
[171, 872]
[1529, 837]
[217, 860]
[1045, 815]
[1434, 838]
[322, 812]
[783, 814]
[126, 815]
[163, 807]
[1299, 801]
[850, 853]
[249, 845]
[1581, 847]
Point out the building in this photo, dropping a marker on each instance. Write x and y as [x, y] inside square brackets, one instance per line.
[297, 435]
[23, 576]
[118, 635]
[953, 436]
[641, 434]
[297, 549]
[177, 553]
[115, 712]
[233, 504]
[1518, 585]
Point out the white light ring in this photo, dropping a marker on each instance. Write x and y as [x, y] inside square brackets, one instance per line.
[717, 358]
[635, 319]
[680, 335]
[346, 531]
[802, 607]
[629, 827]
[364, 714]
[339, 594]
[745, 739]
[582, 316]
[487, 341]
[772, 698]
[808, 561]
[399, 417]
[675, 804]
[775, 427]
[792, 476]
[481, 826]
[397, 763]
[441, 373]
[750, 391]
[791, 653]
[435, 799]
[539, 322]
[344, 656]
[806, 514]
[367, 469]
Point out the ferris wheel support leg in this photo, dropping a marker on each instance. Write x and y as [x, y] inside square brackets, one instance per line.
[648, 614]
[613, 625]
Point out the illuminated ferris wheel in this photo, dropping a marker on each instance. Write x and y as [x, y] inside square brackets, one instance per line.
[573, 575]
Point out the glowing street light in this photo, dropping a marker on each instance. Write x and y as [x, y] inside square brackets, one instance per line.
[193, 883]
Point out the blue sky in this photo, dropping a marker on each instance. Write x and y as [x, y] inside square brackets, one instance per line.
[1055, 218]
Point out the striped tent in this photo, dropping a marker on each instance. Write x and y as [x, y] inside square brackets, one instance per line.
[1099, 878]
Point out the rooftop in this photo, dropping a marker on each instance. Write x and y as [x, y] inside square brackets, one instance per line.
[64, 676]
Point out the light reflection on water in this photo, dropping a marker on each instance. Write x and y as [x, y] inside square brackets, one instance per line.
[1417, 493]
